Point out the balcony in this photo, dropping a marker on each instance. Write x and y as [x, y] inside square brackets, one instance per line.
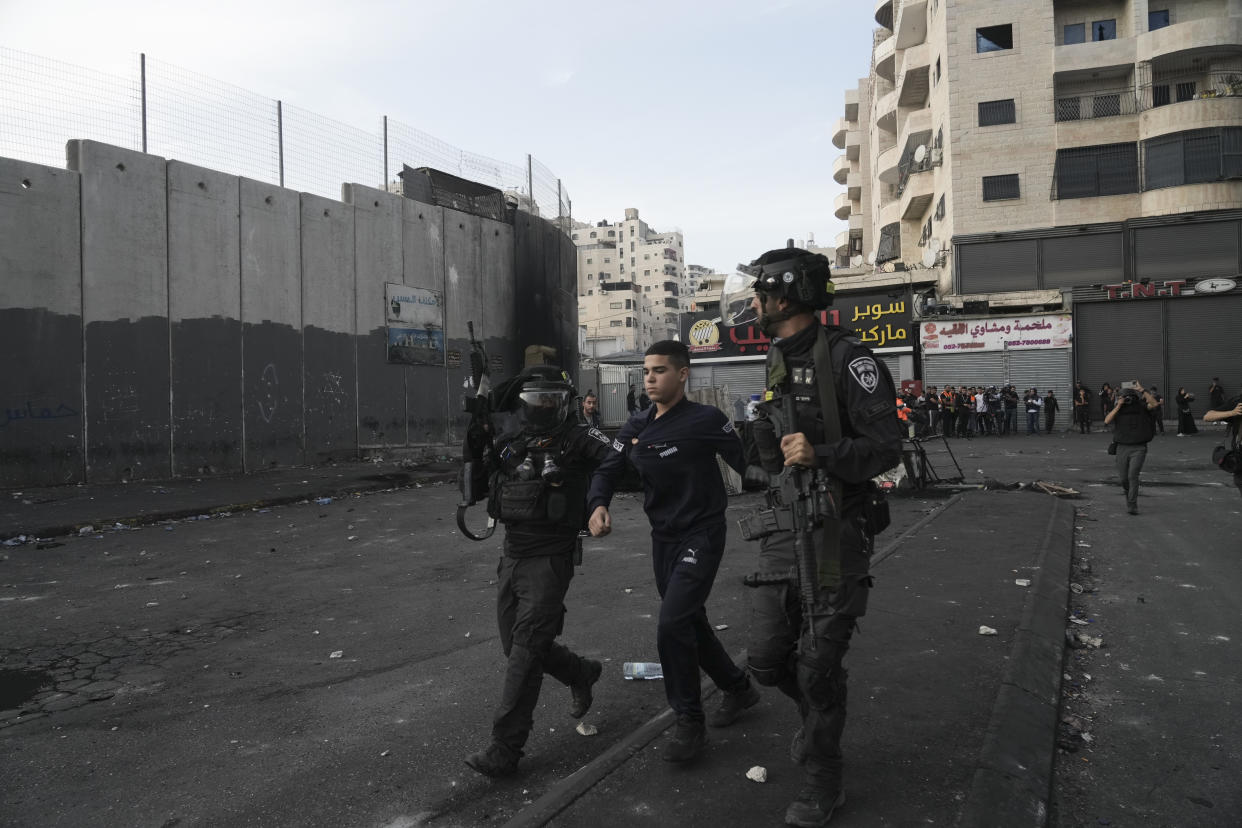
[916, 129]
[1094, 56]
[841, 207]
[853, 186]
[887, 163]
[1202, 112]
[842, 242]
[918, 191]
[856, 225]
[884, 13]
[841, 169]
[914, 84]
[886, 112]
[1102, 103]
[839, 129]
[911, 27]
[1206, 35]
[885, 58]
[853, 144]
[851, 104]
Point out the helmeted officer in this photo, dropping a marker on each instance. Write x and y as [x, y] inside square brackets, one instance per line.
[845, 423]
[541, 461]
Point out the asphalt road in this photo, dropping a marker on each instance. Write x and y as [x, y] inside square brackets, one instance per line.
[190, 678]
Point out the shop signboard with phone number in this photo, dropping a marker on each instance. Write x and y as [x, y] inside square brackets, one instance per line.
[997, 334]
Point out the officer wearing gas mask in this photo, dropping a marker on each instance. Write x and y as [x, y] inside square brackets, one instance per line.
[541, 460]
[844, 431]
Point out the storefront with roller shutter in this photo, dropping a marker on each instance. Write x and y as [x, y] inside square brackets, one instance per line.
[1023, 351]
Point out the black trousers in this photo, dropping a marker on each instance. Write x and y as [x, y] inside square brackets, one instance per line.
[530, 613]
[803, 657]
[685, 571]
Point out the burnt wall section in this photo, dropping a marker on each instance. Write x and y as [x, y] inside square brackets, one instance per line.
[271, 316]
[125, 311]
[160, 319]
[204, 314]
[329, 372]
[41, 404]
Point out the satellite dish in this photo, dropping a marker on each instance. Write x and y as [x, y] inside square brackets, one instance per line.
[920, 152]
[929, 257]
[855, 261]
[871, 258]
[934, 244]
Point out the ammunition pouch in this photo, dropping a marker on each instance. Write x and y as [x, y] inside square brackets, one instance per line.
[515, 501]
[764, 522]
[876, 517]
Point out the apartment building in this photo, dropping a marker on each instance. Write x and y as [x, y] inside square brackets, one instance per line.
[1069, 171]
[631, 284]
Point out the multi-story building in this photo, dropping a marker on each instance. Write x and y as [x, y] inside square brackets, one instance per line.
[1070, 171]
[631, 284]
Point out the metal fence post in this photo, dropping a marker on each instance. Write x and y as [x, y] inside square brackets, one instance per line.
[142, 61]
[280, 140]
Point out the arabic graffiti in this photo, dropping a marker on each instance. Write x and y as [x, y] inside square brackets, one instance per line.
[29, 412]
[268, 395]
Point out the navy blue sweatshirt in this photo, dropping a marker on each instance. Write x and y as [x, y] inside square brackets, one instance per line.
[676, 458]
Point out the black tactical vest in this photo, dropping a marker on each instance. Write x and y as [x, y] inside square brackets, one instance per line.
[1134, 424]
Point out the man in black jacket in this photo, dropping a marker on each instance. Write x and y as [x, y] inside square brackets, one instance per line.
[673, 444]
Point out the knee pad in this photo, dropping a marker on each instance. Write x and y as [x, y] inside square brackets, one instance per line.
[770, 671]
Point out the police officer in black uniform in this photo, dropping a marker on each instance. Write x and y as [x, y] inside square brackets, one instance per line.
[541, 461]
[809, 364]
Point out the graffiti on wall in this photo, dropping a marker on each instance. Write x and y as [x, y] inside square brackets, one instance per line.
[29, 412]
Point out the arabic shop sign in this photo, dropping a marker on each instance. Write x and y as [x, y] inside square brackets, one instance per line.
[1013, 333]
[415, 320]
[877, 319]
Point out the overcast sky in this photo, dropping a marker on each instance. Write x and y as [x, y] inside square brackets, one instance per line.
[711, 117]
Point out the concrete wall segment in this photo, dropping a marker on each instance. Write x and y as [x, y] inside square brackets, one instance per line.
[125, 311]
[41, 398]
[204, 308]
[377, 261]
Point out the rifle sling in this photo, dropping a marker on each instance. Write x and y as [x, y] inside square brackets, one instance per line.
[829, 570]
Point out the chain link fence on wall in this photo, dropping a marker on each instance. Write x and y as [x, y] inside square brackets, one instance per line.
[175, 113]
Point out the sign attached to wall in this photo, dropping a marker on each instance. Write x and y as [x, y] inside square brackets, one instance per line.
[1007, 333]
[415, 320]
[879, 319]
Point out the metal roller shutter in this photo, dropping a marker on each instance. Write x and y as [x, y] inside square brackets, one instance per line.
[1046, 369]
[1089, 259]
[1204, 342]
[742, 381]
[1176, 251]
[998, 266]
[986, 368]
[1118, 341]
[893, 363]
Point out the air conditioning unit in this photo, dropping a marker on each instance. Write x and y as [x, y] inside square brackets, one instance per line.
[937, 155]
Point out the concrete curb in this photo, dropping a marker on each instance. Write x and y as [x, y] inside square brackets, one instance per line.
[1013, 781]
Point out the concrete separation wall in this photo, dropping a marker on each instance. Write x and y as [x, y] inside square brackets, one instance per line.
[163, 320]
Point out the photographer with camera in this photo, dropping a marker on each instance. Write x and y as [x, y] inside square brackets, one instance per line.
[1134, 427]
[1231, 414]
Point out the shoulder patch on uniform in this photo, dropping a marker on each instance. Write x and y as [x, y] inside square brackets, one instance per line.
[599, 435]
[727, 428]
[616, 446]
[865, 373]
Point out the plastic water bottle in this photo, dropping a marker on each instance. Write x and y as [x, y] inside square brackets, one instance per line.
[642, 670]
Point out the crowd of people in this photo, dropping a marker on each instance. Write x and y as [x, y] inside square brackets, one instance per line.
[976, 411]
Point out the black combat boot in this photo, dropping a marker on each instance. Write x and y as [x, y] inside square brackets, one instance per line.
[495, 761]
[687, 740]
[733, 703]
[814, 806]
[581, 689]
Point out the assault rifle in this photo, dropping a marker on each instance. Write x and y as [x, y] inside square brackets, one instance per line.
[477, 446]
[800, 503]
